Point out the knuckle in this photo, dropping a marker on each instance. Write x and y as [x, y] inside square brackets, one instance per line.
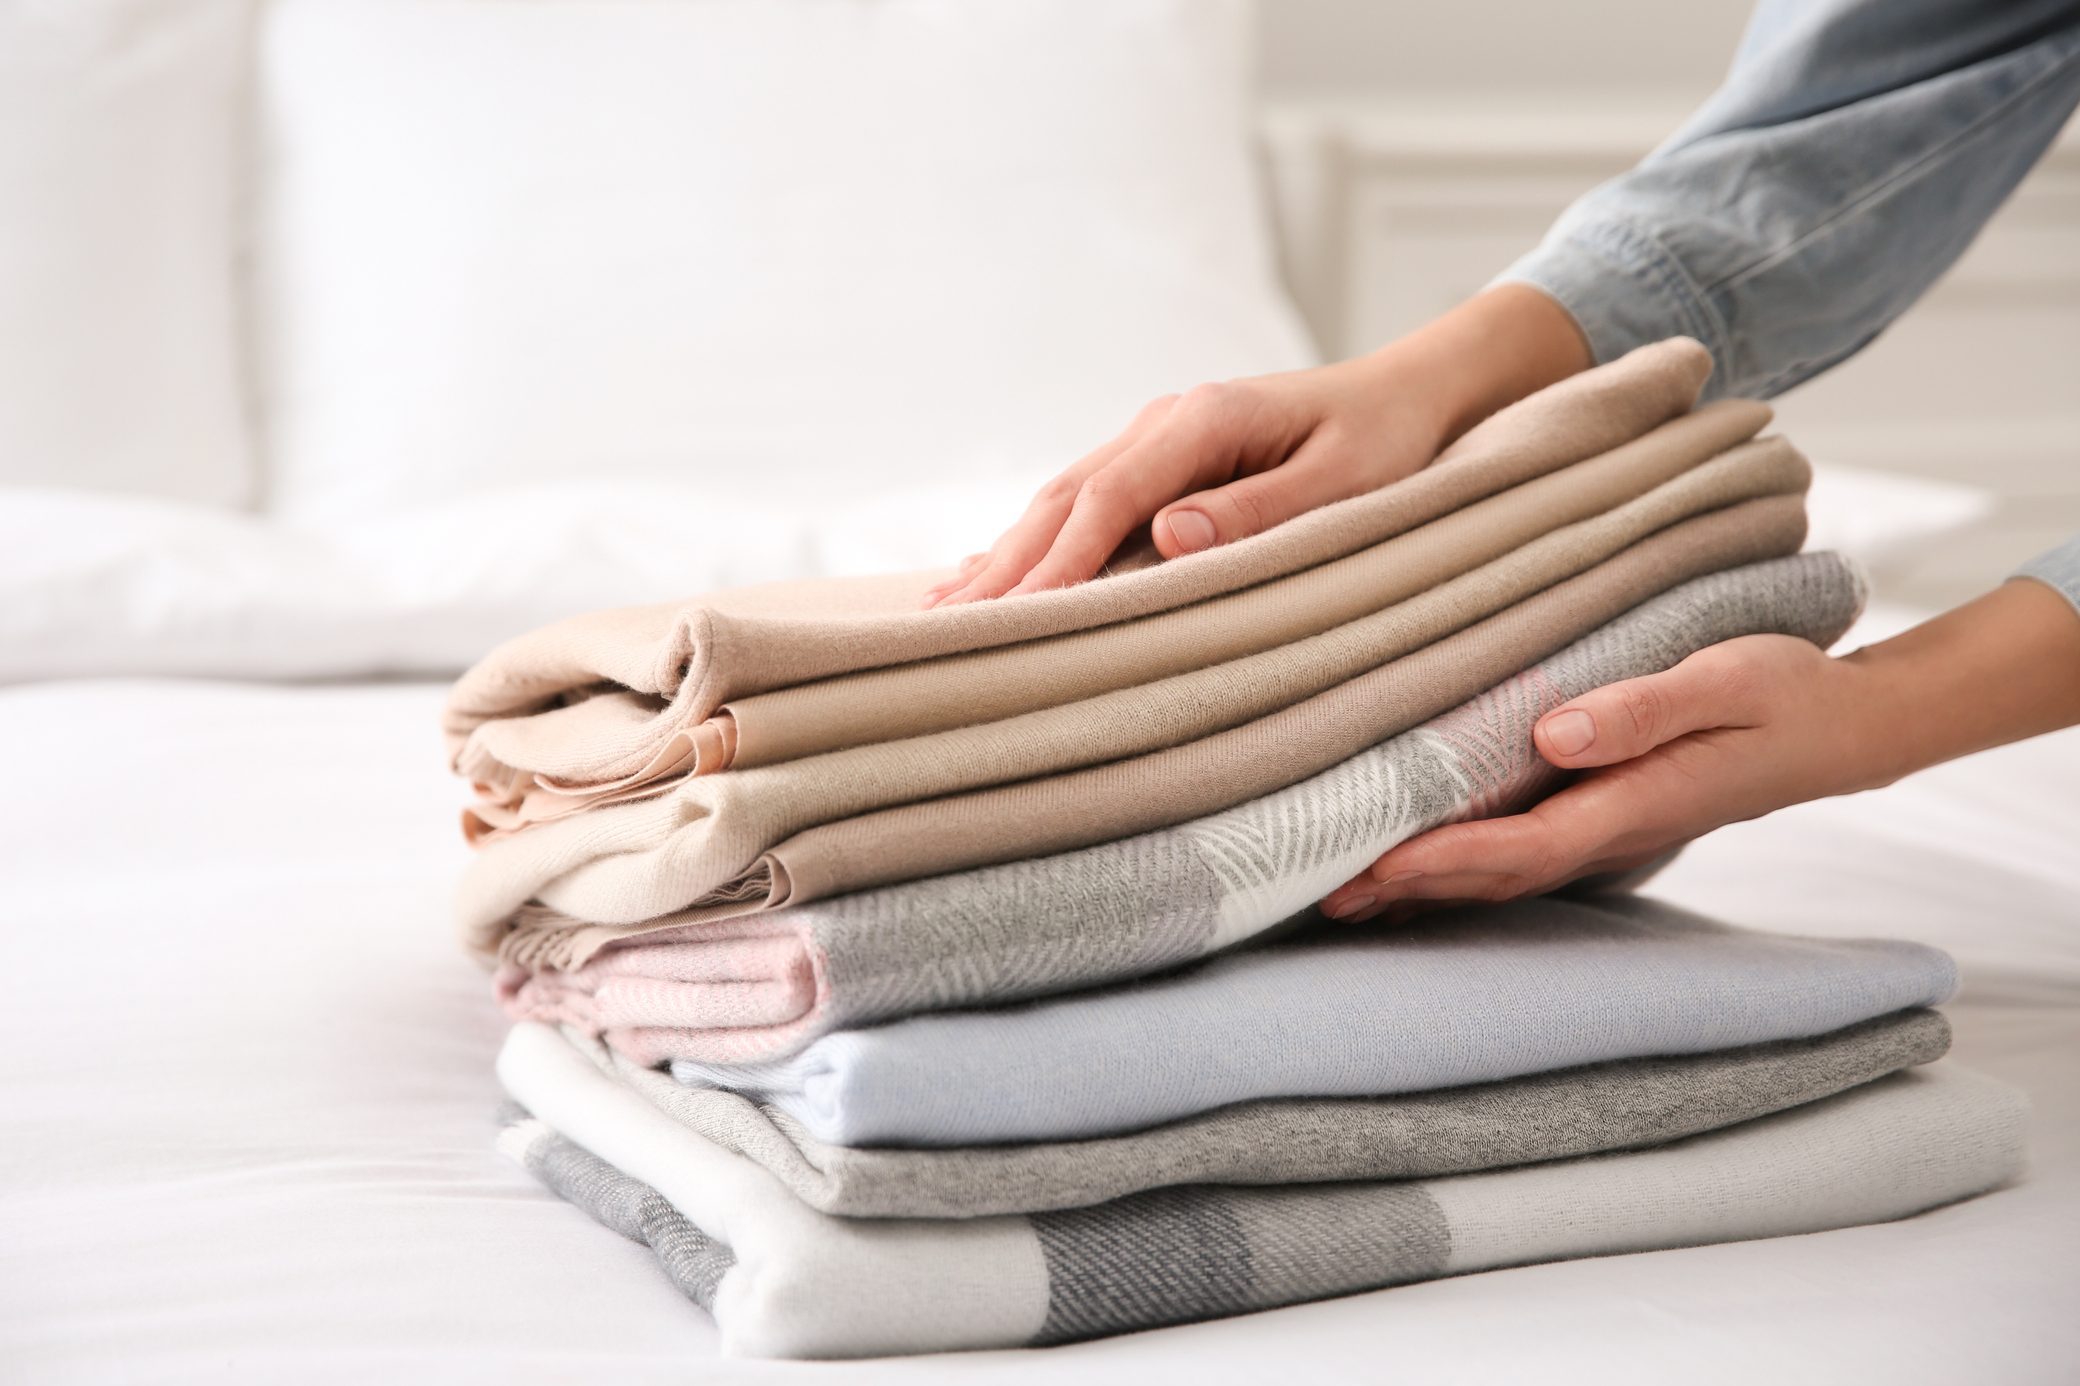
[1738, 682]
[1547, 861]
[1644, 707]
[1157, 408]
[1732, 676]
[1102, 494]
[1249, 512]
[1057, 493]
[1492, 888]
[1552, 848]
[1211, 400]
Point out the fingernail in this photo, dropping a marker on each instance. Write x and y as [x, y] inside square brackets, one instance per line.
[1400, 877]
[1344, 909]
[1570, 733]
[1190, 530]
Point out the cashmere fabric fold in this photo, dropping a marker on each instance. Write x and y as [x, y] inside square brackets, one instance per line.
[1547, 1116]
[941, 694]
[682, 662]
[717, 844]
[720, 826]
[762, 986]
[1475, 995]
[785, 1280]
[912, 699]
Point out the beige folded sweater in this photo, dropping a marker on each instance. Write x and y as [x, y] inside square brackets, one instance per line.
[609, 703]
[1150, 755]
[988, 685]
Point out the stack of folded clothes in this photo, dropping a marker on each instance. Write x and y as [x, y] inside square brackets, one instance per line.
[925, 979]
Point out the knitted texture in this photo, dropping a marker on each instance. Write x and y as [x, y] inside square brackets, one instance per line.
[1546, 1116]
[763, 986]
[719, 826]
[924, 696]
[1479, 994]
[700, 845]
[683, 661]
[799, 1283]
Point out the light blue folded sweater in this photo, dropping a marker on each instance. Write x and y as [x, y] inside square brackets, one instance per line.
[1467, 997]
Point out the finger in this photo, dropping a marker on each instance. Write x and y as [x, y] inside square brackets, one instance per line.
[1399, 911]
[1317, 473]
[1712, 688]
[1366, 896]
[1518, 854]
[1022, 546]
[1197, 442]
[1638, 809]
[1016, 549]
[962, 571]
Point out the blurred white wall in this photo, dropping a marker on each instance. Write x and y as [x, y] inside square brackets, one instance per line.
[1326, 47]
[1418, 148]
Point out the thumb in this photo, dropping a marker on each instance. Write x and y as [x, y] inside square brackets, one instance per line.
[1625, 720]
[1253, 504]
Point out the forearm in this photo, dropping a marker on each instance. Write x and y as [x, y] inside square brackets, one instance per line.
[1999, 669]
[1854, 152]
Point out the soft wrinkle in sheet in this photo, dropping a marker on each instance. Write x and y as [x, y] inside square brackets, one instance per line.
[1477, 995]
[800, 1283]
[694, 657]
[700, 847]
[1548, 1116]
[1127, 907]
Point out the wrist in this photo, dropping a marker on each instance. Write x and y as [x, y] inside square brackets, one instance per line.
[1873, 713]
[1489, 352]
[1998, 669]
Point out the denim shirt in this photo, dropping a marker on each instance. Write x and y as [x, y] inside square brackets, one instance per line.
[1855, 150]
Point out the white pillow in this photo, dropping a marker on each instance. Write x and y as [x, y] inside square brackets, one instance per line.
[118, 351]
[776, 247]
[94, 585]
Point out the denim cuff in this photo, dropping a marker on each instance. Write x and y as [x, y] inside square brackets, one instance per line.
[2059, 570]
[1624, 289]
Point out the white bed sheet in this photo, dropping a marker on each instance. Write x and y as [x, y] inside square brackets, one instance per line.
[246, 1092]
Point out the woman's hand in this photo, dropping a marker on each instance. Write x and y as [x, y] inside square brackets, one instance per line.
[1220, 462]
[1741, 729]
[1732, 732]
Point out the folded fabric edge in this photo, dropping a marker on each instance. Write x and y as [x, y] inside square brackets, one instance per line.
[1890, 1149]
[689, 666]
[768, 885]
[1614, 1105]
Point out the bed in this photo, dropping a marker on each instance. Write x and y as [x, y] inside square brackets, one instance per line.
[246, 1104]
[249, 1101]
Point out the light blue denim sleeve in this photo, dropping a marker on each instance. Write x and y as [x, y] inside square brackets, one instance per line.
[2059, 570]
[1855, 150]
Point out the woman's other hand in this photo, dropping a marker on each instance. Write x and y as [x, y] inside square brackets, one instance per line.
[1738, 730]
[1224, 461]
